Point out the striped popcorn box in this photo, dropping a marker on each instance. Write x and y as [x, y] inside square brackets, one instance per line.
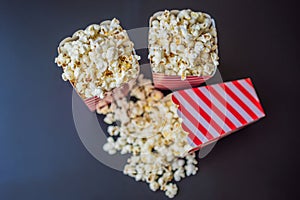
[95, 102]
[99, 62]
[117, 93]
[91, 102]
[165, 81]
[173, 82]
[211, 112]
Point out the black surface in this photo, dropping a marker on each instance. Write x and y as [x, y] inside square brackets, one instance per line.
[41, 156]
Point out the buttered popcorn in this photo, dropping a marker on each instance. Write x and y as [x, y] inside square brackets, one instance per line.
[149, 129]
[98, 59]
[183, 43]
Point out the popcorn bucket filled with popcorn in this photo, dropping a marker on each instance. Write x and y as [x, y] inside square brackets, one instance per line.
[99, 62]
[183, 49]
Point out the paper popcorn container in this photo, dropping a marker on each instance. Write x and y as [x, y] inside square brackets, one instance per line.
[93, 102]
[211, 112]
[174, 82]
[167, 82]
[117, 93]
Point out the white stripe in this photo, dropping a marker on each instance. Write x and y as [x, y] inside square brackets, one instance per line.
[234, 104]
[191, 143]
[245, 100]
[193, 112]
[248, 88]
[209, 111]
[220, 106]
[197, 115]
[194, 129]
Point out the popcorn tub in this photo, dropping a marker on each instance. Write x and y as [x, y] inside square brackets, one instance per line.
[99, 62]
[173, 82]
[166, 81]
[95, 102]
[212, 112]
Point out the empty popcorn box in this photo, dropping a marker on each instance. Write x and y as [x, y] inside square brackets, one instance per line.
[174, 82]
[211, 112]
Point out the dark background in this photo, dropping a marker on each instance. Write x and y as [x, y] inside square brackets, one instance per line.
[41, 155]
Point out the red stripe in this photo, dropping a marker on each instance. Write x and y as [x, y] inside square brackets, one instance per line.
[175, 100]
[194, 121]
[88, 100]
[91, 102]
[215, 109]
[231, 109]
[249, 82]
[202, 112]
[240, 102]
[195, 139]
[91, 99]
[174, 80]
[247, 94]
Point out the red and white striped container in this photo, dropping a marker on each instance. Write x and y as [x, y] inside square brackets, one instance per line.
[212, 112]
[165, 82]
[174, 82]
[93, 102]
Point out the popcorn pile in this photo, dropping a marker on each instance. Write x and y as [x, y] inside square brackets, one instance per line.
[98, 59]
[183, 43]
[148, 127]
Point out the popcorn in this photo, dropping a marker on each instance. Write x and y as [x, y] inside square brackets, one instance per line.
[98, 59]
[149, 129]
[179, 173]
[109, 146]
[113, 130]
[154, 186]
[190, 170]
[183, 43]
[171, 190]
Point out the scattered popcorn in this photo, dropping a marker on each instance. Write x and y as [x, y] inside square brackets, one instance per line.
[179, 173]
[148, 127]
[171, 190]
[154, 186]
[183, 43]
[109, 146]
[98, 59]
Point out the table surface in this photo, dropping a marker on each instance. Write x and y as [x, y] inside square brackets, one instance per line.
[41, 154]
